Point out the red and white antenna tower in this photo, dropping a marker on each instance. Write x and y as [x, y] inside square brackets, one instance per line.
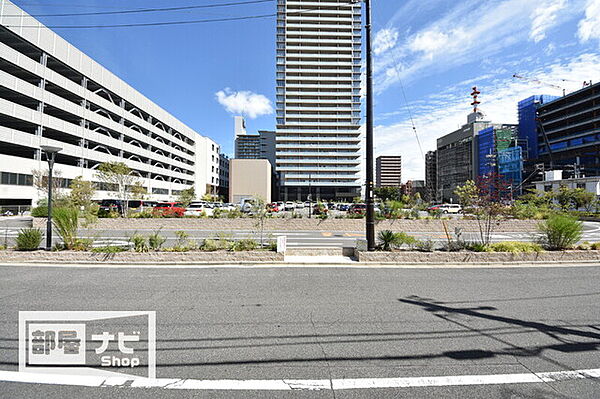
[475, 102]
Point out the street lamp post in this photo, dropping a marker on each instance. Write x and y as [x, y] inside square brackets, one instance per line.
[309, 196]
[370, 225]
[50, 156]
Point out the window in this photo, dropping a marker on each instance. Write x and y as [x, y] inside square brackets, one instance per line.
[16, 179]
[161, 191]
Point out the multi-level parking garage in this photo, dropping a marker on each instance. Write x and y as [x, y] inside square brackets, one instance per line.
[318, 98]
[53, 94]
[572, 127]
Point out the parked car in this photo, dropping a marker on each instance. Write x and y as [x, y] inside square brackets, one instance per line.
[197, 209]
[357, 209]
[108, 205]
[272, 207]
[140, 205]
[446, 208]
[299, 205]
[290, 206]
[170, 208]
[343, 207]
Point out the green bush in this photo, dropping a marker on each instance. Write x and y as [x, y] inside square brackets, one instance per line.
[387, 238]
[139, 243]
[210, 245]
[40, 211]
[246, 244]
[156, 241]
[109, 249]
[82, 244]
[29, 239]
[560, 232]
[514, 246]
[66, 221]
[425, 245]
[596, 246]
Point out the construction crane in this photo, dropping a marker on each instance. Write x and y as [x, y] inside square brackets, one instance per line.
[540, 82]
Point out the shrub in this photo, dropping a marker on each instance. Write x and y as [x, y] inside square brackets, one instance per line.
[246, 244]
[210, 245]
[109, 249]
[596, 246]
[112, 214]
[425, 245]
[584, 246]
[139, 243]
[29, 239]
[82, 244]
[560, 232]
[387, 239]
[156, 241]
[66, 221]
[477, 247]
[514, 246]
[40, 211]
[404, 239]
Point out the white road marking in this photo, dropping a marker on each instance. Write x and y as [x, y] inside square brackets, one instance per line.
[290, 384]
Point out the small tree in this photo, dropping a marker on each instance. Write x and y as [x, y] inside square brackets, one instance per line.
[186, 196]
[486, 200]
[119, 175]
[387, 193]
[40, 182]
[138, 191]
[259, 211]
[82, 192]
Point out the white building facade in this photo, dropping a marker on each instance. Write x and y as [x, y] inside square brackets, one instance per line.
[51, 93]
[318, 98]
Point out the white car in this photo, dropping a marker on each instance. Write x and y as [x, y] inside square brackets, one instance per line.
[290, 206]
[197, 209]
[447, 208]
[300, 205]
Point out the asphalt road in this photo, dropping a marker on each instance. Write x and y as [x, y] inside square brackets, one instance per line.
[332, 323]
[296, 239]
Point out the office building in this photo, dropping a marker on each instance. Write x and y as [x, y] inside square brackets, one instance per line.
[249, 178]
[431, 176]
[223, 176]
[388, 171]
[253, 146]
[318, 99]
[457, 153]
[51, 93]
[572, 129]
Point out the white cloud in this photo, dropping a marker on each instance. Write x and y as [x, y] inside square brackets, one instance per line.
[244, 102]
[443, 112]
[589, 27]
[544, 17]
[385, 39]
[454, 39]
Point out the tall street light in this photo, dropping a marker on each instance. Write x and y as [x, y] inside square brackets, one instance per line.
[370, 226]
[50, 152]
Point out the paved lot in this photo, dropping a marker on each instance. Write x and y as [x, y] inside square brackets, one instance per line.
[333, 324]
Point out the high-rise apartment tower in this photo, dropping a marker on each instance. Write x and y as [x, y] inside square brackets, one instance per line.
[318, 98]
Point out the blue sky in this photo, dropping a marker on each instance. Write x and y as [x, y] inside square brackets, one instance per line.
[434, 51]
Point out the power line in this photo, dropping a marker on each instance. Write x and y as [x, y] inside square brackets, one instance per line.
[406, 104]
[197, 21]
[146, 10]
[132, 25]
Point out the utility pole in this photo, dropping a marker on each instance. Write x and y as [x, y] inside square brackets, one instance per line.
[50, 152]
[370, 225]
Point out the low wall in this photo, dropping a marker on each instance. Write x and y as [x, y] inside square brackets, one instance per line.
[190, 257]
[438, 257]
[281, 224]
